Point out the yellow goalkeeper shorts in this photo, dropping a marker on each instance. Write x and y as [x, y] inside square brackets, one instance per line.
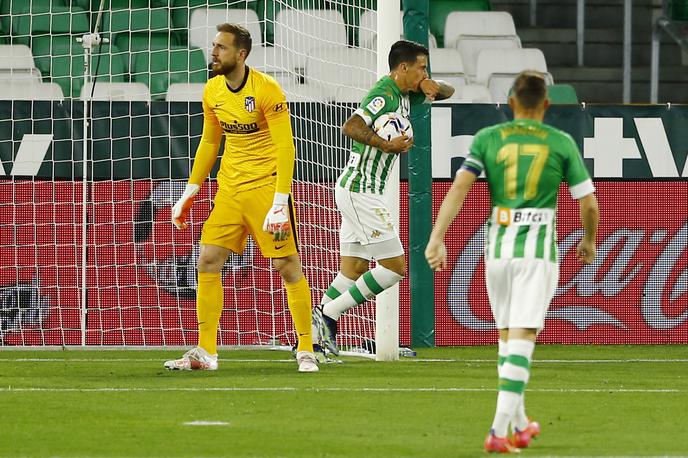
[236, 215]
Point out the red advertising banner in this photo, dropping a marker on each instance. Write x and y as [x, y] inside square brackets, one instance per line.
[140, 273]
[635, 292]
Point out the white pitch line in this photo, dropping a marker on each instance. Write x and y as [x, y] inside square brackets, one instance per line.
[205, 423]
[555, 361]
[10, 389]
[420, 360]
[132, 360]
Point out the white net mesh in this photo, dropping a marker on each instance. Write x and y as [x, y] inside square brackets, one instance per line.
[145, 124]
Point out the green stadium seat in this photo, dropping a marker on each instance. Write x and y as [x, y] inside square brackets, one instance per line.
[161, 67]
[85, 4]
[128, 21]
[562, 94]
[44, 22]
[440, 9]
[132, 31]
[678, 10]
[49, 30]
[64, 62]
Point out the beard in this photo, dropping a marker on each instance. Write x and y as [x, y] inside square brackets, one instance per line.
[223, 69]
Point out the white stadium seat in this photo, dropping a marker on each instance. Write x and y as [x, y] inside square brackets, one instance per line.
[203, 23]
[472, 31]
[446, 64]
[336, 67]
[16, 61]
[367, 32]
[31, 89]
[266, 59]
[185, 92]
[497, 69]
[297, 31]
[471, 93]
[297, 92]
[120, 92]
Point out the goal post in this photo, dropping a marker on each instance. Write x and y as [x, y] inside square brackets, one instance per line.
[387, 312]
[89, 256]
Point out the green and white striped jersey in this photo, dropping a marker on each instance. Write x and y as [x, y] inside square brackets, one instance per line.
[524, 162]
[368, 168]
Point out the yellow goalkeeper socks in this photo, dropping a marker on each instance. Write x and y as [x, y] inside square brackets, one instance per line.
[299, 298]
[208, 310]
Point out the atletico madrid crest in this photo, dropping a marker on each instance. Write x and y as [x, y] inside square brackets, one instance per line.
[250, 104]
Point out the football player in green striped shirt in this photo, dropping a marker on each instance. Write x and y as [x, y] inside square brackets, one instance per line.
[524, 162]
[367, 231]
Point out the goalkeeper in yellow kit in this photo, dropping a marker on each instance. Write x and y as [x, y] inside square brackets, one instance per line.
[249, 108]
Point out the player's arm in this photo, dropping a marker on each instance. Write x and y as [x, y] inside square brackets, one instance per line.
[436, 89]
[590, 218]
[206, 155]
[582, 189]
[436, 251]
[276, 111]
[358, 130]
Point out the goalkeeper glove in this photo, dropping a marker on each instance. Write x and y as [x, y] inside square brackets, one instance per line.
[277, 220]
[180, 210]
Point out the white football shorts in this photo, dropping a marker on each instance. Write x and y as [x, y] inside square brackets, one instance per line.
[367, 229]
[520, 291]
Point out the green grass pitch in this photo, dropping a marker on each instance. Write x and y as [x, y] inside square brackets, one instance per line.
[590, 401]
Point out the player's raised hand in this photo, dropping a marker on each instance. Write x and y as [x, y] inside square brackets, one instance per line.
[399, 144]
[430, 88]
[585, 251]
[436, 254]
[277, 220]
[180, 210]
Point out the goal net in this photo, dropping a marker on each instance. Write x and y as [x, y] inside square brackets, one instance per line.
[88, 253]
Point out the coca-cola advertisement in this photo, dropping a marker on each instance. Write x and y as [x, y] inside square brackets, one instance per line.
[636, 290]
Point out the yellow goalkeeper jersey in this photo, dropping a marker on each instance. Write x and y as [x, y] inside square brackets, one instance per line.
[254, 119]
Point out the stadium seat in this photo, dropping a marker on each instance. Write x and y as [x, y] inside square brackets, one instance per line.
[497, 69]
[64, 63]
[348, 94]
[267, 59]
[562, 94]
[185, 92]
[471, 32]
[367, 32]
[180, 10]
[297, 31]
[440, 9]
[161, 67]
[203, 26]
[272, 61]
[139, 30]
[269, 9]
[16, 62]
[121, 92]
[446, 64]
[47, 28]
[470, 93]
[297, 92]
[335, 67]
[31, 90]
[678, 10]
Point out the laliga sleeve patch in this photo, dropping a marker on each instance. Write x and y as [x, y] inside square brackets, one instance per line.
[376, 105]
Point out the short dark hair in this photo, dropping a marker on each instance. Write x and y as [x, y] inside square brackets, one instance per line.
[529, 88]
[242, 37]
[405, 51]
